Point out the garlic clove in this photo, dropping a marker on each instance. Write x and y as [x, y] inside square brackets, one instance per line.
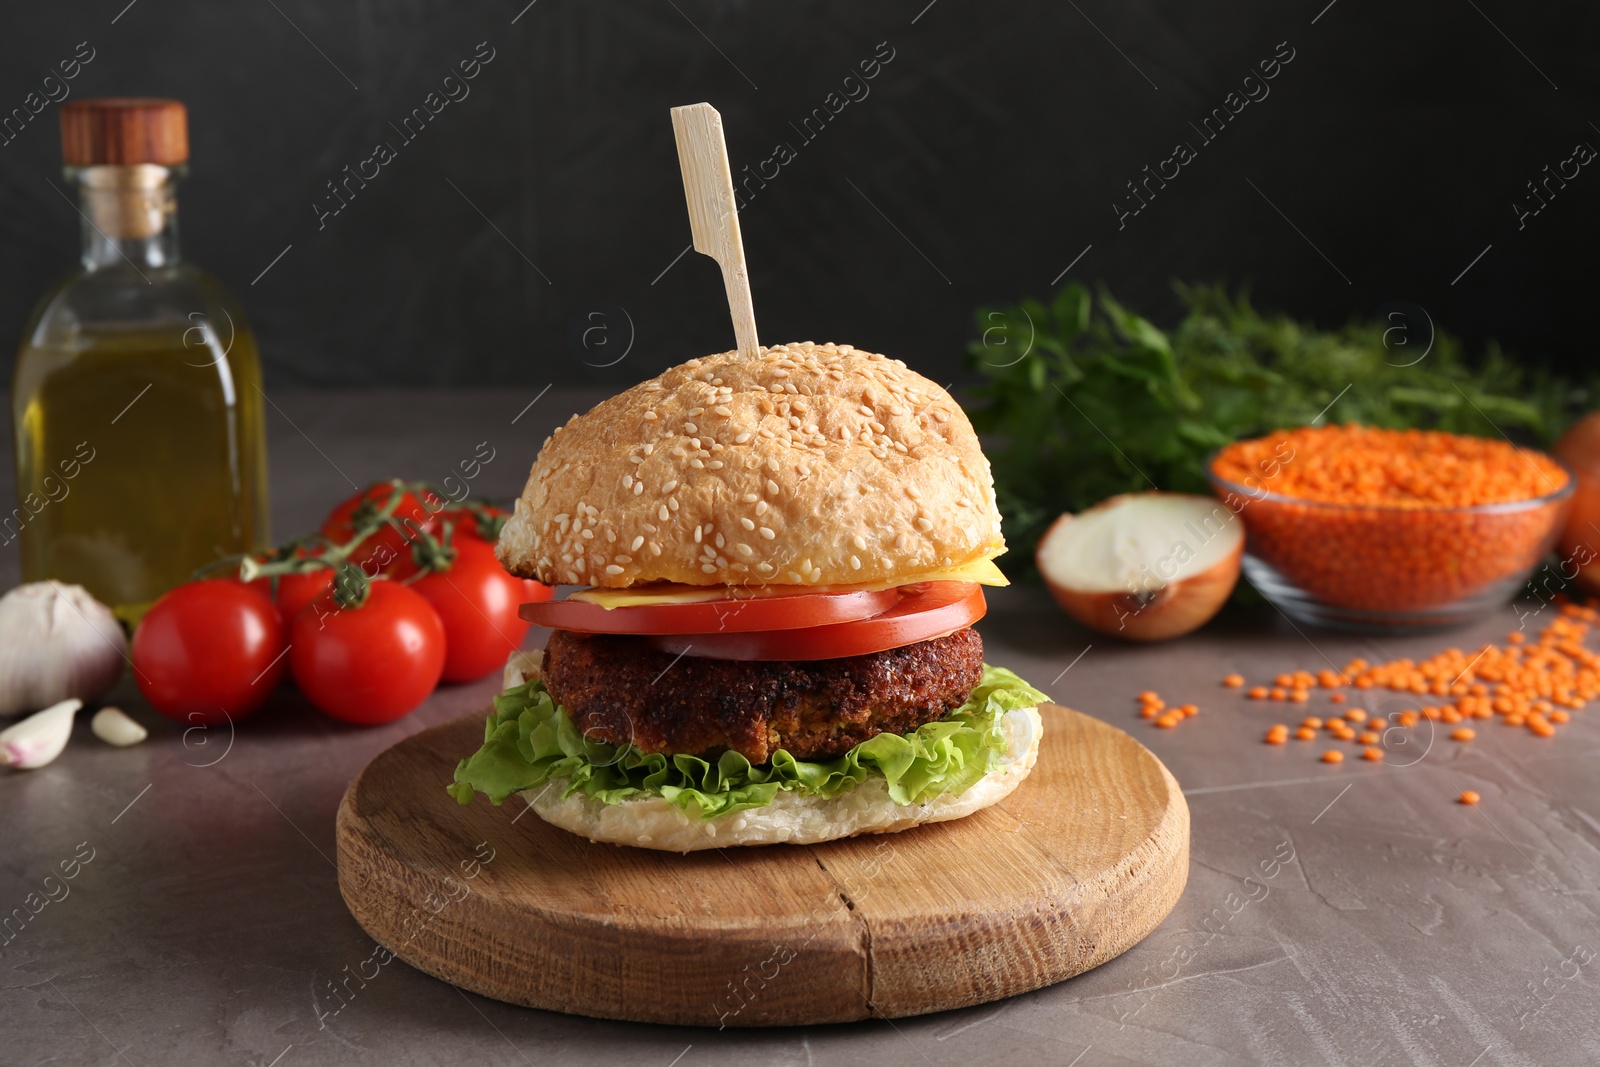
[116, 728]
[56, 641]
[40, 737]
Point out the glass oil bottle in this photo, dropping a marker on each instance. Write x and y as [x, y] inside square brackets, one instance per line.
[136, 397]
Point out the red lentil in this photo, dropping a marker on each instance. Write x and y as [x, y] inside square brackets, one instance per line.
[1401, 503]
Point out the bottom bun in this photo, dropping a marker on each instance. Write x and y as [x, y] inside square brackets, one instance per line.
[791, 818]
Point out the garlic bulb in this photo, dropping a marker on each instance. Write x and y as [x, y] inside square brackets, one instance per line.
[116, 728]
[40, 737]
[56, 641]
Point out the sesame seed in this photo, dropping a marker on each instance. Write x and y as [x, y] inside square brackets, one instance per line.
[624, 559]
[859, 541]
[722, 410]
[901, 541]
[690, 427]
[638, 487]
[767, 533]
[579, 565]
[650, 416]
[627, 481]
[741, 438]
[663, 514]
[720, 542]
[695, 411]
[638, 541]
[761, 507]
[748, 524]
[611, 535]
[672, 502]
[763, 567]
[913, 492]
[855, 563]
[587, 535]
[697, 535]
[670, 486]
[696, 464]
[924, 524]
[772, 487]
[655, 549]
[709, 568]
[744, 549]
[715, 465]
[613, 569]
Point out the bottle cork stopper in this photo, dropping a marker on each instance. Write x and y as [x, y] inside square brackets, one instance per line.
[123, 131]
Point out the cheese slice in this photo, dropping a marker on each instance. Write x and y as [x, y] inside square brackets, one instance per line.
[983, 571]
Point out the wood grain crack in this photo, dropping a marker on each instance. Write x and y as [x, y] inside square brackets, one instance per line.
[863, 929]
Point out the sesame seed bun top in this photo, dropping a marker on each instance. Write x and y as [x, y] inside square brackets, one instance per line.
[807, 465]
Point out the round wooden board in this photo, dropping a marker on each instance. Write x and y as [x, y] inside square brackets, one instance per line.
[1075, 867]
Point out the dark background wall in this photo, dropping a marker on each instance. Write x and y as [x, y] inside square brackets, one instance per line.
[985, 159]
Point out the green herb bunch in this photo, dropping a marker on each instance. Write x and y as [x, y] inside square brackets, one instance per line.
[1084, 399]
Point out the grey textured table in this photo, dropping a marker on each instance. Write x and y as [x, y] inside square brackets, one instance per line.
[1384, 922]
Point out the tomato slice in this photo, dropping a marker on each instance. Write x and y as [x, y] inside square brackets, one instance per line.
[928, 610]
[731, 614]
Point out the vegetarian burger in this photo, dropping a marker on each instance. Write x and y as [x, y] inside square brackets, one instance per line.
[783, 558]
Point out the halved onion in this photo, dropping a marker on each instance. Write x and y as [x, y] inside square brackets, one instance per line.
[1143, 566]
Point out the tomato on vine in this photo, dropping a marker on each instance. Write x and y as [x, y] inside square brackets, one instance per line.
[393, 518]
[372, 662]
[209, 652]
[478, 601]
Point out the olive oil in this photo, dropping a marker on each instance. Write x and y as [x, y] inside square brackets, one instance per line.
[136, 401]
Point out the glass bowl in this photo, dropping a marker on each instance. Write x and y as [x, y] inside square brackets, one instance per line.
[1388, 567]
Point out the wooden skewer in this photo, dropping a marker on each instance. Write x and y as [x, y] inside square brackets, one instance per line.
[713, 213]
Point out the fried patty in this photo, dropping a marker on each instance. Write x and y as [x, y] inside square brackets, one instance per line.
[618, 689]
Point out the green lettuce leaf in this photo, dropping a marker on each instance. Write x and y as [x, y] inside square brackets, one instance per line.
[529, 740]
